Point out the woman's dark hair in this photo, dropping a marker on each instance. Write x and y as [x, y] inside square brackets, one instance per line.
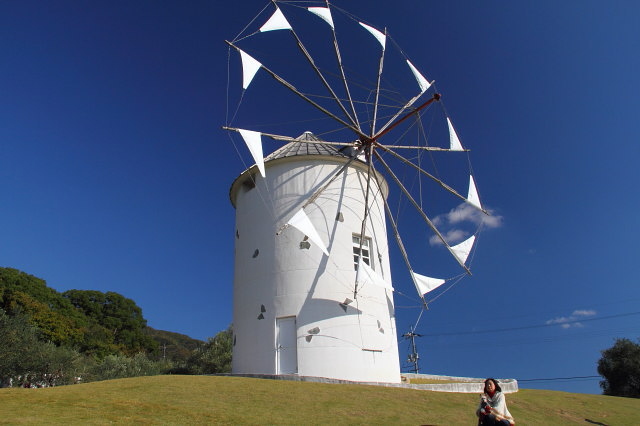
[495, 382]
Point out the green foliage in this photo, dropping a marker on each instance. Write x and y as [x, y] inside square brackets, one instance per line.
[620, 367]
[120, 316]
[52, 338]
[57, 319]
[214, 356]
[95, 323]
[24, 358]
[121, 366]
[55, 326]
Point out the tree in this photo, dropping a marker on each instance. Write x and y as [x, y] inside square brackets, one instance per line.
[119, 315]
[620, 368]
[214, 356]
[25, 358]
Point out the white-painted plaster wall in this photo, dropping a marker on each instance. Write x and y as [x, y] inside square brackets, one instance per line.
[359, 344]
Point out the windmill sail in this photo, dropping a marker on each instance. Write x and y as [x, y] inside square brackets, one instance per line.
[382, 39]
[254, 143]
[473, 198]
[249, 68]
[322, 12]
[276, 22]
[366, 275]
[462, 250]
[302, 222]
[422, 82]
[426, 284]
[455, 144]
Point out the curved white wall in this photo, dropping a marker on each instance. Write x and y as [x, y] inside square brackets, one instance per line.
[356, 342]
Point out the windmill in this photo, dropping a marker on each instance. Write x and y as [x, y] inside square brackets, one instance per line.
[313, 293]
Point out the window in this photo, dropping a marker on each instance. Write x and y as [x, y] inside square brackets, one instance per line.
[366, 251]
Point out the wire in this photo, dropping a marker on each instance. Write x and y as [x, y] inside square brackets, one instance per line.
[498, 330]
[559, 378]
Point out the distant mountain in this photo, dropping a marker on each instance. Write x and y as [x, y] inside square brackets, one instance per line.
[173, 346]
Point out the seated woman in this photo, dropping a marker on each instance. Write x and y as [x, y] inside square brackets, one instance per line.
[493, 406]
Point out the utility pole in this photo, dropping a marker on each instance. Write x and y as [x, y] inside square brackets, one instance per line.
[413, 356]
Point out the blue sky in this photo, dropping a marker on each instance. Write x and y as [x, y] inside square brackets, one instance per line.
[114, 171]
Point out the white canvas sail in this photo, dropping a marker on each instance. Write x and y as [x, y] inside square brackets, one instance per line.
[302, 222]
[382, 39]
[276, 22]
[426, 284]
[254, 143]
[473, 198]
[463, 249]
[322, 12]
[366, 275]
[455, 144]
[422, 82]
[249, 68]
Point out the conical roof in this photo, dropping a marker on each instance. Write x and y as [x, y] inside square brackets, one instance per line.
[303, 145]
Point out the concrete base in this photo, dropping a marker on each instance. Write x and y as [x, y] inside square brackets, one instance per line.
[459, 385]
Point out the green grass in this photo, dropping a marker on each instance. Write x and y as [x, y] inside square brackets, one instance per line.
[233, 400]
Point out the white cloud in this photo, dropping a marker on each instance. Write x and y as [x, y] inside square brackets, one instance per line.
[452, 237]
[572, 321]
[584, 313]
[467, 213]
[454, 219]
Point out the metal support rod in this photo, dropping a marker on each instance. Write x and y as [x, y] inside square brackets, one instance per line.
[344, 77]
[290, 139]
[430, 176]
[435, 97]
[324, 80]
[363, 228]
[291, 87]
[325, 186]
[424, 216]
[375, 105]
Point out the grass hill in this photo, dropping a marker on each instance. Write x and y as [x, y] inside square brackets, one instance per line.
[235, 400]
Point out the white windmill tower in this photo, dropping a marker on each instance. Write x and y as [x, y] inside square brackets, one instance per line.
[313, 294]
[294, 305]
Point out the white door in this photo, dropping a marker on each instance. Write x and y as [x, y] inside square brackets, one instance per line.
[286, 346]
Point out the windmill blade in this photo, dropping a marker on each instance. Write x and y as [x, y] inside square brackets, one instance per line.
[473, 198]
[316, 194]
[422, 81]
[454, 141]
[473, 194]
[276, 22]
[421, 212]
[325, 14]
[401, 246]
[424, 86]
[254, 143]
[292, 139]
[426, 284]
[380, 36]
[250, 67]
[279, 22]
[462, 250]
[366, 209]
[291, 87]
[301, 221]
